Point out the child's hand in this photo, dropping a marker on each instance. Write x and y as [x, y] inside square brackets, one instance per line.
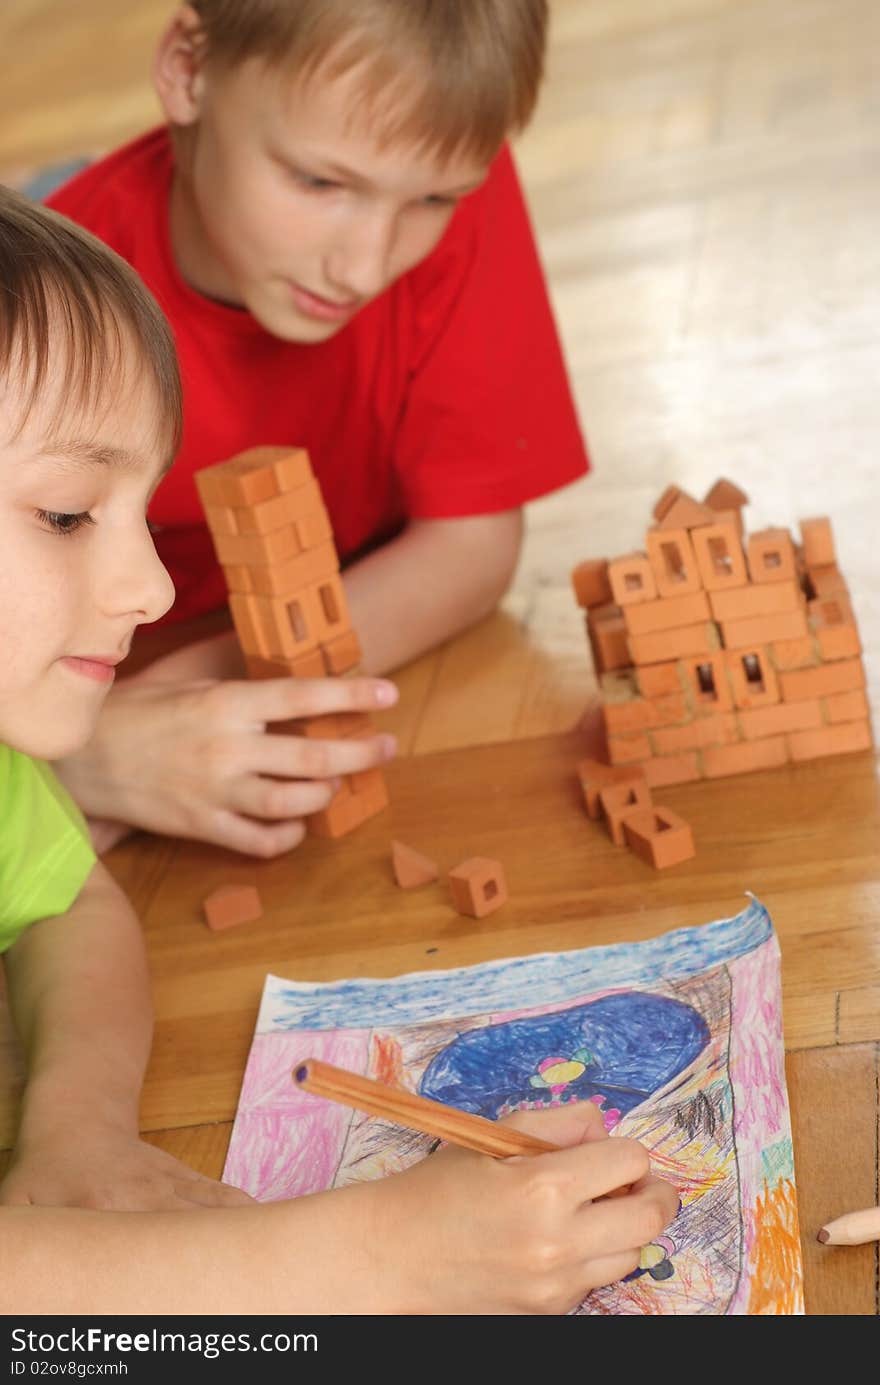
[199, 759]
[471, 1234]
[111, 1171]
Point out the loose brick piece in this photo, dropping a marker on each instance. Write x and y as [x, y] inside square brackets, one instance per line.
[790, 654]
[780, 718]
[411, 868]
[702, 731]
[685, 513]
[591, 584]
[608, 638]
[631, 579]
[671, 555]
[619, 799]
[766, 599]
[706, 683]
[847, 706]
[594, 776]
[658, 680]
[844, 675]
[785, 625]
[753, 679]
[361, 797]
[663, 645]
[770, 554]
[719, 556]
[843, 739]
[478, 887]
[229, 905]
[725, 495]
[663, 770]
[826, 582]
[834, 628]
[667, 613]
[666, 500]
[658, 836]
[720, 760]
[817, 541]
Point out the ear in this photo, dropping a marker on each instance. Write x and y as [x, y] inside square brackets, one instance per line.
[178, 74]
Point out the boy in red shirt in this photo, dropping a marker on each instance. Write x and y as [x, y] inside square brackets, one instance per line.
[333, 224]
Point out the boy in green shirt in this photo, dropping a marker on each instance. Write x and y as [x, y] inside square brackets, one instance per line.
[89, 416]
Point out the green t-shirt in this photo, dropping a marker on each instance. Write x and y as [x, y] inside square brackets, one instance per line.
[45, 851]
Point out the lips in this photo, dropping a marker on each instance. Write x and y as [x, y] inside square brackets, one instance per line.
[100, 668]
[324, 309]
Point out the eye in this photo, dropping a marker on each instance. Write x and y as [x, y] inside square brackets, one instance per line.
[63, 524]
[310, 183]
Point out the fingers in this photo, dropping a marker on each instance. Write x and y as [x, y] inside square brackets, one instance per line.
[281, 800]
[595, 1168]
[204, 1192]
[280, 699]
[574, 1124]
[252, 838]
[627, 1223]
[299, 757]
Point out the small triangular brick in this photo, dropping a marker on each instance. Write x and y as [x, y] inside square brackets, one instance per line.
[686, 513]
[724, 495]
[411, 868]
[667, 499]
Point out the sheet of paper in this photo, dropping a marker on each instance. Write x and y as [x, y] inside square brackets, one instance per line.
[678, 1041]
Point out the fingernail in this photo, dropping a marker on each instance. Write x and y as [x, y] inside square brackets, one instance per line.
[389, 747]
[385, 693]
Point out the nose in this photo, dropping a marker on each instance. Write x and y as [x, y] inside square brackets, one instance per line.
[139, 586]
[359, 263]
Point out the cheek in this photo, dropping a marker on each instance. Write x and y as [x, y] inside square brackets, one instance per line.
[417, 238]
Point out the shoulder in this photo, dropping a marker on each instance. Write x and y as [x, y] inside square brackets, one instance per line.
[111, 194]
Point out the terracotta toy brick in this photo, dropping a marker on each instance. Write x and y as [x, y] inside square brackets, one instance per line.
[411, 868]
[673, 644]
[313, 529]
[337, 726]
[591, 584]
[327, 609]
[817, 541]
[663, 770]
[702, 731]
[246, 550]
[221, 519]
[269, 515]
[826, 581]
[361, 797]
[342, 654]
[834, 628]
[707, 683]
[478, 887]
[847, 706]
[843, 739]
[308, 665]
[719, 556]
[229, 905]
[625, 711]
[618, 799]
[248, 627]
[608, 638]
[784, 625]
[747, 756]
[753, 680]
[685, 513]
[667, 613]
[631, 579]
[666, 500]
[288, 626]
[287, 577]
[844, 675]
[671, 555]
[656, 680]
[725, 495]
[658, 836]
[764, 599]
[243, 480]
[595, 775]
[770, 555]
[623, 750]
[790, 654]
[780, 718]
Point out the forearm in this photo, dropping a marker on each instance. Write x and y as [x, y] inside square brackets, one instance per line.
[79, 994]
[434, 580]
[315, 1255]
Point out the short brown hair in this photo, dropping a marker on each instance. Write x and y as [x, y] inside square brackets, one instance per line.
[479, 62]
[61, 289]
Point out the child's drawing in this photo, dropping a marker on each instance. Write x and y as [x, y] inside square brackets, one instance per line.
[676, 1040]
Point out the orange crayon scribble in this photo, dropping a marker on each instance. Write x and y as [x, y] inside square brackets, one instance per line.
[775, 1256]
[386, 1061]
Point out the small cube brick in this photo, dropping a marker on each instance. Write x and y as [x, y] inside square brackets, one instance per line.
[619, 799]
[478, 887]
[229, 905]
[658, 836]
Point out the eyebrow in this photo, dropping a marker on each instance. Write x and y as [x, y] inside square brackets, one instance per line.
[84, 456]
[352, 176]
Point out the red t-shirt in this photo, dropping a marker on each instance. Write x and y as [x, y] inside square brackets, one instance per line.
[447, 395]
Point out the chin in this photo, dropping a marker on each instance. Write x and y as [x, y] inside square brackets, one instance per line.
[291, 327]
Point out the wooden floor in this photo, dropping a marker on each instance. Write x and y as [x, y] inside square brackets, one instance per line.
[703, 178]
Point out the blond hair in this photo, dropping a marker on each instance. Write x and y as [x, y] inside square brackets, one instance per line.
[63, 293]
[476, 64]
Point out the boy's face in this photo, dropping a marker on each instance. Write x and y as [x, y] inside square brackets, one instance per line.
[78, 570]
[290, 207]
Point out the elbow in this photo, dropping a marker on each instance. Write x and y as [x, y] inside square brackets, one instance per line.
[503, 549]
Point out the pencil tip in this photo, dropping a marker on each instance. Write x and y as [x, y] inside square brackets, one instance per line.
[823, 1236]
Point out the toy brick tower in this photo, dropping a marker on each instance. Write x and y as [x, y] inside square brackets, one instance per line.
[720, 653]
[272, 535]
